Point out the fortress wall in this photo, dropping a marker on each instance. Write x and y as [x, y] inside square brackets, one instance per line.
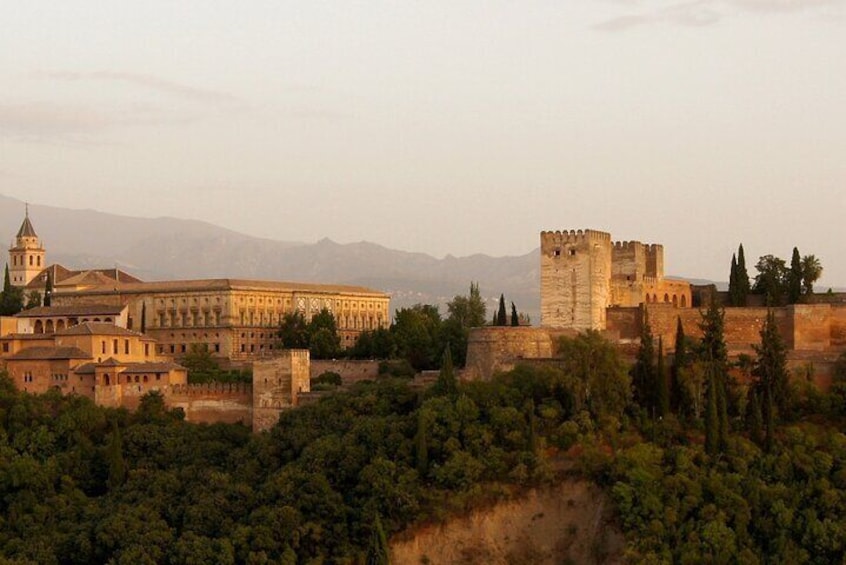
[838, 327]
[811, 326]
[351, 371]
[654, 260]
[493, 349]
[624, 324]
[212, 402]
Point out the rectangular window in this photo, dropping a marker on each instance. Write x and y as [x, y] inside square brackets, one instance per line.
[115, 346]
[126, 346]
[146, 349]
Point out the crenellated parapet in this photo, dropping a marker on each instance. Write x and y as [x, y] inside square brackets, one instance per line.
[212, 389]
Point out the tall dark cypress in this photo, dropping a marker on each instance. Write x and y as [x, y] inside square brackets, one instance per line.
[722, 412]
[515, 318]
[755, 417]
[143, 317]
[48, 290]
[734, 292]
[712, 424]
[501, 315]
[643, 371]
[680, 361]
[742, 276]
[662, 386]
[794, 278]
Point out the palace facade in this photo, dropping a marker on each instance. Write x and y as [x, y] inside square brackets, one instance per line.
[236, 319]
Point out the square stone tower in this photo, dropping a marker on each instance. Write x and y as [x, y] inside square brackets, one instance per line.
[575, 278]
[277, 381]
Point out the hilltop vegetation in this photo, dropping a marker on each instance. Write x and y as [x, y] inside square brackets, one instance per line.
[83, 484]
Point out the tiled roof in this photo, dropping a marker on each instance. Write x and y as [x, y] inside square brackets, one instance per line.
[26, 229]
[63, 276]
[100, 328]
[71, 311]
[49, 353]
[152, 367]
[228, 284]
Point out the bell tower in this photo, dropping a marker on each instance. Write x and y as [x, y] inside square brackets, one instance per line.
[26, 255]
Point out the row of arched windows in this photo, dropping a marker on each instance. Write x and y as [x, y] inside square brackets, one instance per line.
[675, 300]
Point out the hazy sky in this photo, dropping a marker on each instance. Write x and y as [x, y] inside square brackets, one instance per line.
[443, 127]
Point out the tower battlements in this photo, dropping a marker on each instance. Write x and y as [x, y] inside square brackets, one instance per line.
[560, 237]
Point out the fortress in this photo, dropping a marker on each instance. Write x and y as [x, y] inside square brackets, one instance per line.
[589, 282]
[112, 337]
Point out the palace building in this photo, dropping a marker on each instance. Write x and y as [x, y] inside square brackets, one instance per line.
[236, 319]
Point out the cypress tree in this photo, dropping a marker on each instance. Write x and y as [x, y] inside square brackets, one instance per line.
[680, 360]
[722, 412]
[713, 338]
[377, 549]
[734, 291]
[769, 420]
[515, 318]
[755, 417]
[712, 424]
[501, 316]
[48, 290]
[662, 386]
[794, 278]
[742, 277]
[422, 444]
[143, 317]
[771, 366]
[446, 385]
[114, 457]
[643, 371]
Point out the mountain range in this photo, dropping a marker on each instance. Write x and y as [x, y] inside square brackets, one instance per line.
[170, 248]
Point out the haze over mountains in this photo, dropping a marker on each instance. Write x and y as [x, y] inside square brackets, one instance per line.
[171, 248]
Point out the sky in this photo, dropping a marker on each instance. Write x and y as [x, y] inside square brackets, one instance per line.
[442, 127]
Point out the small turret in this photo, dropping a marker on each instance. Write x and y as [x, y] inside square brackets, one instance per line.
[26, 255]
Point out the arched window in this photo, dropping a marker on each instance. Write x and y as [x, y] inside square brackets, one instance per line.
[49, 327]
[675, 300]
[684, 301]
[39, 327]
[666, 298]
[60, 325]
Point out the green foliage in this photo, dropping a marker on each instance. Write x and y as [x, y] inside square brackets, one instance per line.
[770, 369]
[793, 278]
[204, 368]
[812, 270]
[33, 300]
[12, 297]
[644, 370]
[501, 316]
[328, 380]
[319, 335]
[515, 318]
[377, 549]
[48, 291]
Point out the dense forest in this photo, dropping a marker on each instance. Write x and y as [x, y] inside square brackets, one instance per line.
[699, 466]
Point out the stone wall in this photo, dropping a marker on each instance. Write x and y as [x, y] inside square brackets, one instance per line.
[493, 349]
[276, 383]
[351, 371]
[229, 403]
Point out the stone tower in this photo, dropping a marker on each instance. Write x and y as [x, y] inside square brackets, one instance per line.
[26, 255]
[277, 381]
[575, 278]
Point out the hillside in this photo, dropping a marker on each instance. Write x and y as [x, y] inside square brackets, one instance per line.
[171, 248]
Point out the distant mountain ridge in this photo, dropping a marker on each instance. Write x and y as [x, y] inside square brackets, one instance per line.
[171, 248]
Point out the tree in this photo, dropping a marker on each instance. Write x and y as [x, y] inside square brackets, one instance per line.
[811, 272]
[114, 457]
[323, 339]
[643, 371]
[742, 276]
[143, 317]
[770, 368]
[794, 278]
[33, 300]
[662, 386]
[515, 318]
[712, 424]
[293, 331]
[469, 311]
[598, 379]
[377, 549]
[734, 298]
[12, 299]
[771, 279]
[417, 331]
[501, 316]
[48, 290]
[447, 384]
[713, 338]
[756, 420]
[202, 367]
[680, 362]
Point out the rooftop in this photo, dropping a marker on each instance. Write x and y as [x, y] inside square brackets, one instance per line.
[207, 285]
[49, 354]
[71, 311]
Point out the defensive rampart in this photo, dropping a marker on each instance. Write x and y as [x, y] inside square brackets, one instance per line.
[351, 371]
[213, 402]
